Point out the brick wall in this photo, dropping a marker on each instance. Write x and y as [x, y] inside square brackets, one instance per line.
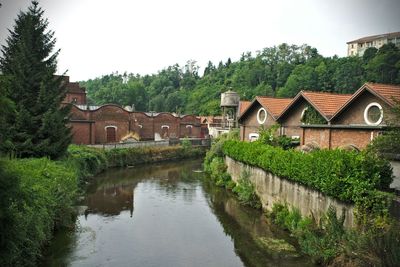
[317, 135]
[81, 133]
[125, 122]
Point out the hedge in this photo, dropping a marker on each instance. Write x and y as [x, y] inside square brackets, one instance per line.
[345, 175]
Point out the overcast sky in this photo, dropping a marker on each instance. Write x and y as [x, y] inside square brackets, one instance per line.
[98, 37]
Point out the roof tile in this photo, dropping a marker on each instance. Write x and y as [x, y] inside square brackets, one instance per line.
[326, 103]
[275, 106]
[389, 92]
[243, 105]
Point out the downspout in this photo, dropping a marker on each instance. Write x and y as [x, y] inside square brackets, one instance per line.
[330, 136]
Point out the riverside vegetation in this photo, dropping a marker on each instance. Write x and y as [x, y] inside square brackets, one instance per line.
[37, 195]
[360, 178]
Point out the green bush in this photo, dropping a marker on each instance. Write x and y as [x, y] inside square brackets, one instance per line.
[322, 242]
[87, 161]
[43, 194]
[246, 193]
[345, 175]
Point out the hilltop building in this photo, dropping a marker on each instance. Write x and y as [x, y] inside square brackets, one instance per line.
[358, 47]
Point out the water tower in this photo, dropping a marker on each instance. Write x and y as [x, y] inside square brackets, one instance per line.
[229, 104]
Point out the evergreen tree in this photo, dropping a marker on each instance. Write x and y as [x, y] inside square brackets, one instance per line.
[39, 126]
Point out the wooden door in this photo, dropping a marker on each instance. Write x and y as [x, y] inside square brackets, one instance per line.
[111, 135]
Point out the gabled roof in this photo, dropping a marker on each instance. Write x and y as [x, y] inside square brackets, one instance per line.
[327, 104]
[243, 105]
[387, 92]
[376, 37]
[274, 106]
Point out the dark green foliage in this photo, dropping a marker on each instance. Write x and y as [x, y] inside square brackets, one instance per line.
[218, 174]
[311, 116]
[345, 175]
[7, 112]
[270, 137]
[87, 161]
[245, 192]
[385, 65]
[389, 141]
[39, 125]
[37, 197]
[281, 70]
[322, 242]
[329, 243]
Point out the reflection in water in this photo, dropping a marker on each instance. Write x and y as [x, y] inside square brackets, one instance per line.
[165, 215]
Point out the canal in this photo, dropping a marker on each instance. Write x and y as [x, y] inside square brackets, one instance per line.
[168, 215]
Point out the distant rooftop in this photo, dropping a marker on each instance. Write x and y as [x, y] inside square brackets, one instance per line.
[376, 37]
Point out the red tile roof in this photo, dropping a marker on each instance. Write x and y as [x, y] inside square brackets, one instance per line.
[388, 92]
[243, 105]
[326, 103]
[274, 106]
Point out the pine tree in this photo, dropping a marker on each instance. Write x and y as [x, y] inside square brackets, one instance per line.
[39, 126]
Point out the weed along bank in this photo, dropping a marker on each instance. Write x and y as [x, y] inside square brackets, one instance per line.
[273, 189]
[323, 197]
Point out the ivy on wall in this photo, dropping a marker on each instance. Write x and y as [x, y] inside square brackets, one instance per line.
[312, 116]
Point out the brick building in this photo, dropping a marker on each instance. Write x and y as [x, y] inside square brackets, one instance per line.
[345, 120]
[111, 123]
[261, 112]
[75, 93]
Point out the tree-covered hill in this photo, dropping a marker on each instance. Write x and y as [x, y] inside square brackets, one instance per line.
[280, 71]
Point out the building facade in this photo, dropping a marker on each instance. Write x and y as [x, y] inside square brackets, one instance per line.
[358, 47]
[262, 112]
[113, 124]
[340, 121]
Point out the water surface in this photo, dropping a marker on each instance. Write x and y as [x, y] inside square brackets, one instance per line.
[168, 215]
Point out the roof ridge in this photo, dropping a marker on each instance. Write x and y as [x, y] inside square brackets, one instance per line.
[273, 97]
[327, 93]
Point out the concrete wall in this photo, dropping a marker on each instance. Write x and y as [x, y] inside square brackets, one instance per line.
[272, 189]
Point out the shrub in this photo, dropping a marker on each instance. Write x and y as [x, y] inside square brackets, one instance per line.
[345, 175]
[42, 202]
[322, 242]
[246, 193]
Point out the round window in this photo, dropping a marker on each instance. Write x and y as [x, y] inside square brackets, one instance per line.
[373, 114]
[261, 116]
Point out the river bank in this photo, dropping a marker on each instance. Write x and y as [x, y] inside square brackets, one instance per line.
[37, 195]
[266, 174]
[168, 214]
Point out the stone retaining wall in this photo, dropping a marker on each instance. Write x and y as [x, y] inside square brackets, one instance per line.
[273, 189]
